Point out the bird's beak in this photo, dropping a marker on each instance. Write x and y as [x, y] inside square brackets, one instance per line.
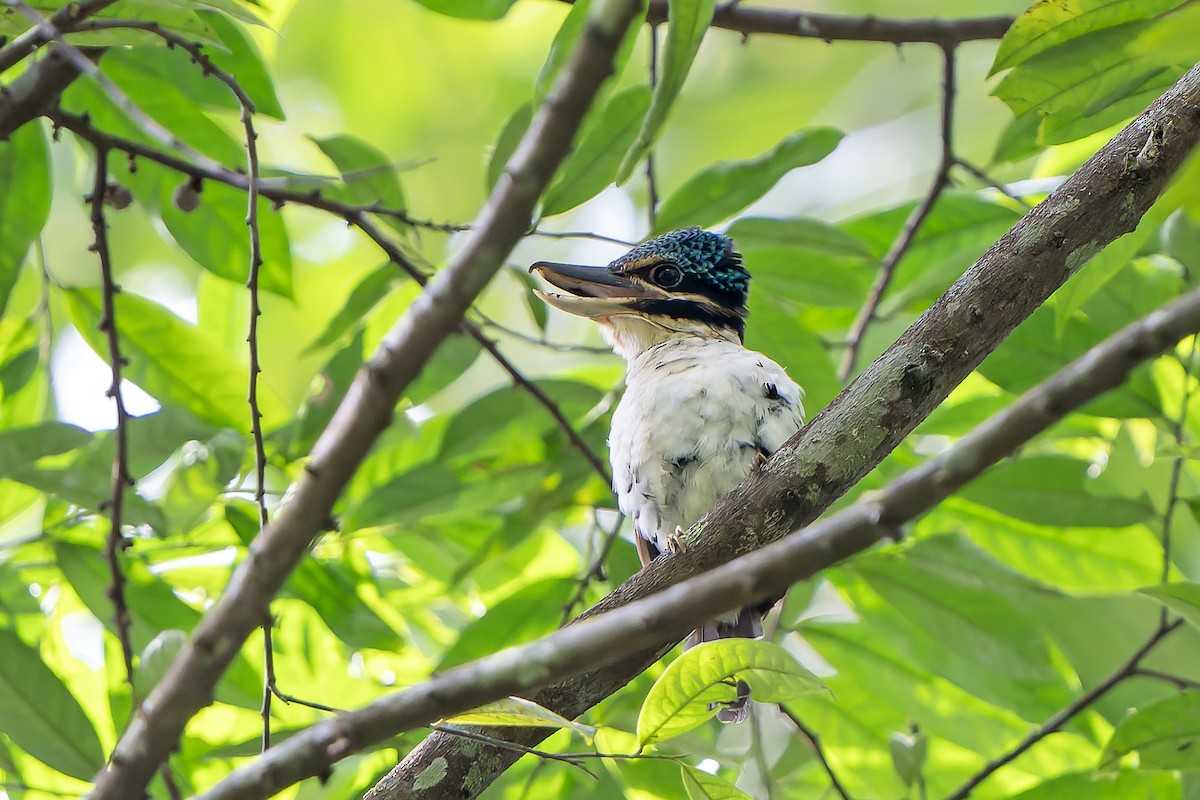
[594, 291]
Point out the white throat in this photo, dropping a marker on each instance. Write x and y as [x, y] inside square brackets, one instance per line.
[630, 336]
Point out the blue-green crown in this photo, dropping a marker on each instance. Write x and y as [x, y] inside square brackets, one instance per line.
[706, 257]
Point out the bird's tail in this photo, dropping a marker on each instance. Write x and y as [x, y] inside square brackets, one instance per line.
[746, 624]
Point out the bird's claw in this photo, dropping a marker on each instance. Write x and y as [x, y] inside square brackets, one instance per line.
[675, 541]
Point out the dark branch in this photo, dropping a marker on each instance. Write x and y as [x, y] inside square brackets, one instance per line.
[908, 233]
[814, 742]
[115, 542]
[748, 20]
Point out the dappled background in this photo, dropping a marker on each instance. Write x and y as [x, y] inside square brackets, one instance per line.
[476, 522]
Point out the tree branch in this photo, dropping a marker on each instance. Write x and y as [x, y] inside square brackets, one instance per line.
[1129, 668]
[650, 625]
[1104, 199]
[37, 90]
[908, 233]
[366, 412]
[747, 20]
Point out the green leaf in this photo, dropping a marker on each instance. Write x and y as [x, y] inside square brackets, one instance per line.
[215, 235]
[368, 293]
[1052, 490]
[156, 659]
[506, 143]
[24, 201]
[801, 233]
[1080, 84]
[561, 48]
[1050, 23]
[687, 20]
[700, 785]
[908, 755]
[20, 447]
[153, 607]
[244, 61]
[41, 716]
[1172, 37]
[593, 164]
[519, 712]
[369, 176]
[725, 188]
[706, 674]
[1182, 598]
[448, 364]
[171, 359]
[470, 9]
[524, 615]
[1124, 784]
[1165, 735]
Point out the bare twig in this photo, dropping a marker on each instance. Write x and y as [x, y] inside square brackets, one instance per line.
[987, 180]
[540, 341]
[65, 19]
[1178, 425]
[1179, 681]
[1080, 704]
[115, 542]
[748, 20]
[814, 743]
[908, 233]
[595, 572]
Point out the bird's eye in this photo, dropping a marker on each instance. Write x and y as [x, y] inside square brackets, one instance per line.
[667, 276]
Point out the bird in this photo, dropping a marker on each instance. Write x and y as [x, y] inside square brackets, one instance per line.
[700, 410]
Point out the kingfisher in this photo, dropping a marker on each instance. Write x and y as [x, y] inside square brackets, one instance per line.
[700, 411]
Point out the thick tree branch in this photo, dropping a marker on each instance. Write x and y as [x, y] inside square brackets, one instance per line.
[37, 90]
[366, 412]
[1103, 200]
[655, 622]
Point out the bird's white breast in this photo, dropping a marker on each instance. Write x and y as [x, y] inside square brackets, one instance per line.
[698, 414]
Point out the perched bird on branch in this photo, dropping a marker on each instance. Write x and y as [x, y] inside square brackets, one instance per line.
[700, 410]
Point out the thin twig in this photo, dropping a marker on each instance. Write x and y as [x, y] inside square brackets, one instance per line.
[1179, 681]
[1177, 430]
[987, 180]
[943, 32]
[1080, 704]
[814, 743]
[908, 233]
[115, 542]
[558, 347]
[595, 571]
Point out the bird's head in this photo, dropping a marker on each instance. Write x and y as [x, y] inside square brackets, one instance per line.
[689, 277]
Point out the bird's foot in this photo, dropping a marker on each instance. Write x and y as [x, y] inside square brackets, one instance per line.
[675, 541]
